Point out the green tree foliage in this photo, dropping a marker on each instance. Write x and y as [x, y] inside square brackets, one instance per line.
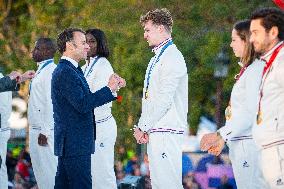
[201, 29]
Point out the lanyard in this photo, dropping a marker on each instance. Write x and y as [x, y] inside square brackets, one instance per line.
[44, 65]
[266, 68]
[91, 68]
[155, 62]
[238, 76]
[38, 72]
[228, 111]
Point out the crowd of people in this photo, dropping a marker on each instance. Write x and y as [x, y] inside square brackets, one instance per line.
[19, 169]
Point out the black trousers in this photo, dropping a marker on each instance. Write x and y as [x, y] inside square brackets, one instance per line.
[73, 173]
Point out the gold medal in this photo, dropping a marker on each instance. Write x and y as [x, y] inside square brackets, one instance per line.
[259, 117]
[146, 95]
[228, 113]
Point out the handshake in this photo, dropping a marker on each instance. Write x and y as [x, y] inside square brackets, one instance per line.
[213, 143]
[14, 75]
[116, 82]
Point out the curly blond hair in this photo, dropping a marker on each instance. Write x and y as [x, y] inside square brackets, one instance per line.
[159, 17]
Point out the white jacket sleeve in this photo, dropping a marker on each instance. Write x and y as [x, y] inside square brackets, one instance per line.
[48, 122]
[171, 71]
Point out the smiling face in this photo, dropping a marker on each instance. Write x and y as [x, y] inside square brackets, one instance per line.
[80, 46]
[262, 39]
[237, 44]
[259, 37]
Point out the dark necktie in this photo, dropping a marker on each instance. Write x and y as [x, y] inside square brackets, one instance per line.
[80, 70]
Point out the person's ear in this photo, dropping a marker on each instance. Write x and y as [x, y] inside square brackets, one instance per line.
[160, 28]
[274, 32]
[68, 45]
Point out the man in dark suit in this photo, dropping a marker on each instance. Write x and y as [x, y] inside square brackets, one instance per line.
[73, 105]
[11, 81]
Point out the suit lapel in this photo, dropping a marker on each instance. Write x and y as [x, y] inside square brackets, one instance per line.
[80, 74]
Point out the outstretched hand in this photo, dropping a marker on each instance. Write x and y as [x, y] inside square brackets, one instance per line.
[121, 81]
[14, 75]
[26, 76]
[116, 82]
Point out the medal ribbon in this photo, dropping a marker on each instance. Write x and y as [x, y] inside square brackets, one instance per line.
[266, 68]
[91, 68]
[170, 42]
[38, 72]
[238, 76]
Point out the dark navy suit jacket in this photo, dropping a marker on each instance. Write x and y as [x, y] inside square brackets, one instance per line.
[73, 105]
[6, 84]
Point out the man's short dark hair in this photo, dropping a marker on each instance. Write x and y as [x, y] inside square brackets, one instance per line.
[270, 17]
[45, 49]
[102, 47]
[66, 36]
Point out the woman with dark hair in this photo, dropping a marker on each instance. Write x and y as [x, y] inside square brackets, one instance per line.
[97, 71]
[240, 115]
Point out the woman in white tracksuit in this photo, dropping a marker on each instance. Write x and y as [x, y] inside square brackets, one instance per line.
[5, 112]
[97, 71]
[241, 111]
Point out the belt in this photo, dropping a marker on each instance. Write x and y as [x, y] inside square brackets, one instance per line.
[104, 119]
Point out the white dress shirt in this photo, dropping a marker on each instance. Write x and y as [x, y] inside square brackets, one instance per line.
[74, 62]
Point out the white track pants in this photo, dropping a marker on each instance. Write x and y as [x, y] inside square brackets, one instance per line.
[44, 161]
[272, 160]
[4, 137]
[245, 158]
[103, 176]
[165, 160]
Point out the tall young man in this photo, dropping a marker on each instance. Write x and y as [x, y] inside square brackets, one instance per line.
[165, 102]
